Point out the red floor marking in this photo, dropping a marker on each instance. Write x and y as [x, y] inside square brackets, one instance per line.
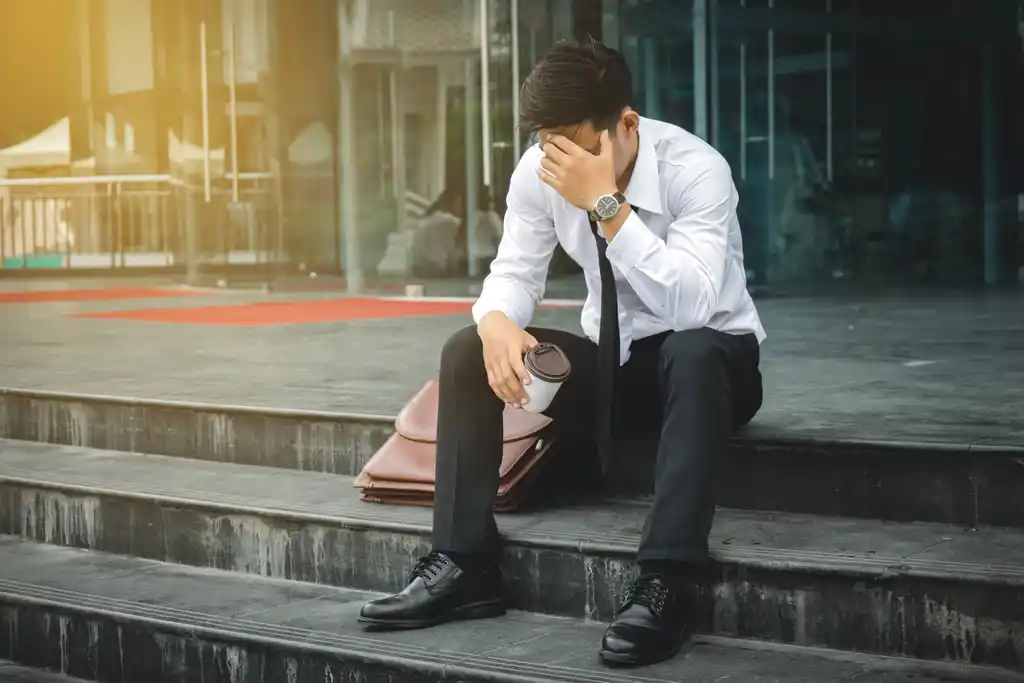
[290, 312]
[111, 294]
[314, 286]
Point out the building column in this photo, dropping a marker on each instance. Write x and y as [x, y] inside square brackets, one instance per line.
[347, 171]
[81, 116]
[990, 127]
[700, 68]
[473, 148]
[587, 19]
[192, 128]
[610, 24]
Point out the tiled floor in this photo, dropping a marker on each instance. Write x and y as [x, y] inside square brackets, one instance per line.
[944, 368]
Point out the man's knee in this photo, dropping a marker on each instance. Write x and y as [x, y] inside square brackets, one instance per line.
[462, 349]
[689, 353]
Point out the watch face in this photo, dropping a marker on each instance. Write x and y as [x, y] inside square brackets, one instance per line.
[607, 206]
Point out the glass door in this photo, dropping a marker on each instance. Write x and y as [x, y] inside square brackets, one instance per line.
[377, 158]
[774, 113]
[742, 127]
[863, 137]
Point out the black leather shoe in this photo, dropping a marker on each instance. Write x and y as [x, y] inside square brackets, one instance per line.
[651, 626]
[439, 591]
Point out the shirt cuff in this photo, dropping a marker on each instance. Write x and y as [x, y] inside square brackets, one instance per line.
[632, 244]
[503, 297]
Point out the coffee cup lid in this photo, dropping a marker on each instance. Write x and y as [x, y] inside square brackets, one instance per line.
[547, 362]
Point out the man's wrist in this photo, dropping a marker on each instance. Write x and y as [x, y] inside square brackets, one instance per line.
[612, 225]
[490, 316]
[592, 210]
[600, 195]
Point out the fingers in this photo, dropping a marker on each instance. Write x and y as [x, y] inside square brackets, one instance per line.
[492, 381]
[563, 145]
[549, 165]
[510, 383]
[504, 381]
[549, 172]
[606, 144]
[549, 179]
[553, 151]
[496, 380]
[516, 359]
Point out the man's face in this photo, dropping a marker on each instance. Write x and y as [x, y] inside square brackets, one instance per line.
[622, 134]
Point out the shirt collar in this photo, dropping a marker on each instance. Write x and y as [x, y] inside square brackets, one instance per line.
[644, 189]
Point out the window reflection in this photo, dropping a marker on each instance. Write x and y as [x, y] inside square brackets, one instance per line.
[856, 130]
[871, 141]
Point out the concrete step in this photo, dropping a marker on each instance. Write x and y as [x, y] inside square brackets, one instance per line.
[13, 673]
[949, 483]
[923, 590]
[120, 619]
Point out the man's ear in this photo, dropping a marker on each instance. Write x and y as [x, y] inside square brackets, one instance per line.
[630, 120]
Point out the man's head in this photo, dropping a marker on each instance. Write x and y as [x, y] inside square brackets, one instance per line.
[579, 90]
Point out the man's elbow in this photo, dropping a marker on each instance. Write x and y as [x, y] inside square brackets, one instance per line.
[694, 306]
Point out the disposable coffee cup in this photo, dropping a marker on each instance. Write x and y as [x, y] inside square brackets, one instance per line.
[548, 368]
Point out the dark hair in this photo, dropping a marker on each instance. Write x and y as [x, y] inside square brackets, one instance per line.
[575, 82]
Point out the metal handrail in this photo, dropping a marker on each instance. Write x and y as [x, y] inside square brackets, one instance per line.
[120, 179]
[86, 180]
[120, 221]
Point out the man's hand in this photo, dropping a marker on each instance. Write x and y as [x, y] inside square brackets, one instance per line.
[579, 176]
[504, 345]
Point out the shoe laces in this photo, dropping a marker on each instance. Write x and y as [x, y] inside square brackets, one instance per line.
[429, 567]
[648, 591]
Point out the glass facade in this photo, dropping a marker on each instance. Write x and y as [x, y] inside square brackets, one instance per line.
[872, 142]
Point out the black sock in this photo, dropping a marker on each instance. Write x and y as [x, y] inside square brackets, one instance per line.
[468, 562]
[674, 573]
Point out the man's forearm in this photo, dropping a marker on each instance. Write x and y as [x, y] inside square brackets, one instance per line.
[612, 226]
[677, 285]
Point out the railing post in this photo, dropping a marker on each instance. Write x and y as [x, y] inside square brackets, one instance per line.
[120, 223]
[24, 237]
[233, 106]
[98, 212]
[111, 209]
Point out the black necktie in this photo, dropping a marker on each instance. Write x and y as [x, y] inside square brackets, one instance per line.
[607, 354]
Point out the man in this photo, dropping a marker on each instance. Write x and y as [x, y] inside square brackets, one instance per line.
[649, 212]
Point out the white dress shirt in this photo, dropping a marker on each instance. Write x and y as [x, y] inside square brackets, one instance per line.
[677, 259]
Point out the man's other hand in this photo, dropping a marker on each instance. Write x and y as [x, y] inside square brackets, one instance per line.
[504, 345]
[580, 176]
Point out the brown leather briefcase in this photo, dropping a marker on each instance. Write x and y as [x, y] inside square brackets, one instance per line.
[402, 471]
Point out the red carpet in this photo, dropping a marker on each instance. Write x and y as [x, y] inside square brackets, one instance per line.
[111, 294]
[291, 312]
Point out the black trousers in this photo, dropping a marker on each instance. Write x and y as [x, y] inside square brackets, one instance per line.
[694, 388]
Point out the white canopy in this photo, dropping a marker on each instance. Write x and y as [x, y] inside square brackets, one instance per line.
[51, 147]
[191, 155]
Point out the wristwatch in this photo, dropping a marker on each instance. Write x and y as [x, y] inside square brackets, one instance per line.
[606, 207]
